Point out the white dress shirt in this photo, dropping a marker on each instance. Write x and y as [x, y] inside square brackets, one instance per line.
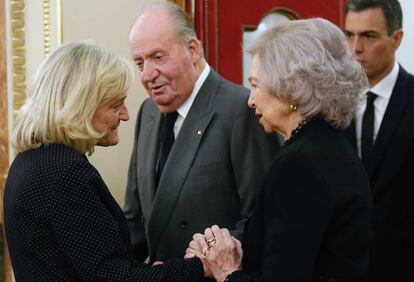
[185, 108]
[383, 90]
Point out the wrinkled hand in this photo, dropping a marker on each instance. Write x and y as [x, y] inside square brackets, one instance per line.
[224, 257]
[194, 250]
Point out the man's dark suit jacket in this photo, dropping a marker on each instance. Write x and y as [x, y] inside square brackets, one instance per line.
[62, 224]
[212, 175]
[314, 220]
[392, 183]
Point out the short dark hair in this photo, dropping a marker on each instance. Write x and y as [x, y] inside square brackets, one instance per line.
[391, 9]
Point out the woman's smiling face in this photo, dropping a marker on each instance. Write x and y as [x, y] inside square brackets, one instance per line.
[107, 119]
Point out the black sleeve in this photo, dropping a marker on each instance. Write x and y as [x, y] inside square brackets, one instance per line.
[297, 209]
[89, 235]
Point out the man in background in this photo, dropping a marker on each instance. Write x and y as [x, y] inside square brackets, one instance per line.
[199, 154]
[383, 134]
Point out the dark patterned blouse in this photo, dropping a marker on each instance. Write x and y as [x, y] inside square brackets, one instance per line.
[62, 224]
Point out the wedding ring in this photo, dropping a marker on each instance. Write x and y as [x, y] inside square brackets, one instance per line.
[211, 242]
[204, 251]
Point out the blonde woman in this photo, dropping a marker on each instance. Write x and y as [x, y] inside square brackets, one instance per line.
[61, 222]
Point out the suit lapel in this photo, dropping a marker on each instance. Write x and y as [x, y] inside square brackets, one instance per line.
[147, 159]
[395, 109]
[181, 157]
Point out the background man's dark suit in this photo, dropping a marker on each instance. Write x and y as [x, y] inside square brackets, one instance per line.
[212, 175]
[392, 185]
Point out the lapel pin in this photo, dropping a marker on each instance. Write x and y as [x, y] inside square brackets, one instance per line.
[199, 132]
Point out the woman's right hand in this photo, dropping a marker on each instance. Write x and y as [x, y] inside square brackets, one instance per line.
[223, 254]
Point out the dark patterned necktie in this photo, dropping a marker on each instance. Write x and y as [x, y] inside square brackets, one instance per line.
[367, 134]
[167, 141]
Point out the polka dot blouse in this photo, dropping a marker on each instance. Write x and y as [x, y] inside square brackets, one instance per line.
[62, 224]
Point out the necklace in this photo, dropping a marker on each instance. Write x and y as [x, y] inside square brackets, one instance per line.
[297, 129]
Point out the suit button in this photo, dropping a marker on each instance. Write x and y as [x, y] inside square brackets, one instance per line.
[184, 224]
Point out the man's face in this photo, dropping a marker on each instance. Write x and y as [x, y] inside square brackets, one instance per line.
[166, 64]
[368, 38]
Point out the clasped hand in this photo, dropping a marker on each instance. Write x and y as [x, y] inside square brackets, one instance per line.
[220, 253]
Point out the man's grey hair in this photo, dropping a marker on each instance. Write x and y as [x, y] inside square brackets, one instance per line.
[391, 9]
[308, 63]
[184, 27]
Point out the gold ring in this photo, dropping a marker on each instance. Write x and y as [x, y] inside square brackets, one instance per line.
[211, 242]
[205, 251]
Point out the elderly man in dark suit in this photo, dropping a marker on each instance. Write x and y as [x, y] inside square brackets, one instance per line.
[383, 134]
[199, 154]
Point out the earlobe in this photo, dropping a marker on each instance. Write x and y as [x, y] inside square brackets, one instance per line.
[397, 38]
[194, 48]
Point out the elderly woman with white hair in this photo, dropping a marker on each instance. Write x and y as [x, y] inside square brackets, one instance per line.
[313, 220]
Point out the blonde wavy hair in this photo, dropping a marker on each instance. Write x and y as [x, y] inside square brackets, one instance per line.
[67, 89]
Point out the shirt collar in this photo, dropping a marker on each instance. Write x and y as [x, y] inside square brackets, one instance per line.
[386, 85]
[185, 108]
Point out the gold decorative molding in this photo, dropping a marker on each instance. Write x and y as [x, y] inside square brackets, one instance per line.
[4, 140]
[187, 6]
[56, 11]
[19, 53]
[5, 266]
[46, 26]
[59, 27]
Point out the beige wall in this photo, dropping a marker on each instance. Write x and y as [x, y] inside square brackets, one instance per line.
[108, 22]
